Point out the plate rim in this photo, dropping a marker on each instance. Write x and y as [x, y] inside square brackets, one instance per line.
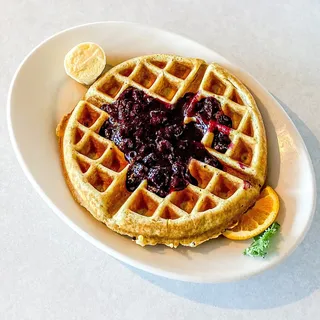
[114, 253]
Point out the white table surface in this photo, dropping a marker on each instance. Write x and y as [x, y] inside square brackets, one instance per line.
[47, 271]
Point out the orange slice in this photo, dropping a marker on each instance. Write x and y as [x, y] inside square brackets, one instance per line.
[258, 218]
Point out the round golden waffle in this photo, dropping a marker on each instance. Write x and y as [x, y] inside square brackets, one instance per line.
[95, 169]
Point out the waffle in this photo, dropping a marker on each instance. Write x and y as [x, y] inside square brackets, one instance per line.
[95, 169]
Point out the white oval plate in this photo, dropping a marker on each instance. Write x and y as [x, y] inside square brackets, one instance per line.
[41, 93]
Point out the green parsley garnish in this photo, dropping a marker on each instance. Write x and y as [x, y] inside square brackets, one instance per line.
[261, 243]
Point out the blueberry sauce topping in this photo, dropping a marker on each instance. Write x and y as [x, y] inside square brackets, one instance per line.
[209, 116]
[206, 109]
[221, 141]
[156, 142]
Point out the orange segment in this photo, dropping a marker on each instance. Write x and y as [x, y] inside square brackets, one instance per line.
[258, 218]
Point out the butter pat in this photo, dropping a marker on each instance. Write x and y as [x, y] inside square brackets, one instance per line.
[85, 62]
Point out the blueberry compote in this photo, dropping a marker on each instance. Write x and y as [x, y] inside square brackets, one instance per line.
[209, 115]
[156, 142]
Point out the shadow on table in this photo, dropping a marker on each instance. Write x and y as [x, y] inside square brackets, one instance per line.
[293, 280]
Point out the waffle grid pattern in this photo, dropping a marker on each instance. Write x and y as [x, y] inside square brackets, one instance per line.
[101, 162]
[104, 168]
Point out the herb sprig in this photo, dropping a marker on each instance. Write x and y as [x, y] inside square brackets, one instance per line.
[261, 243]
